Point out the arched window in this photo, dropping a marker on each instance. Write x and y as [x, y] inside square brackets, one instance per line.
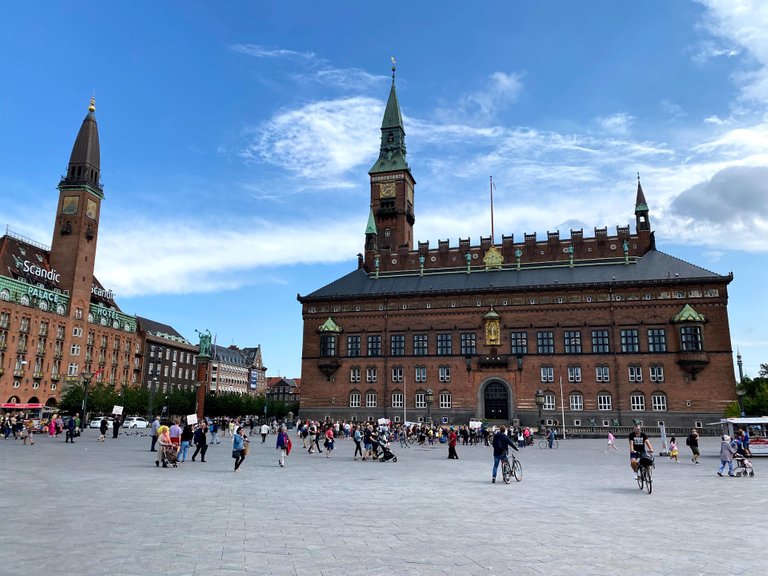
[576, 401]
[637, 402]
[371, 399]
[604, 401]
[659, 402]
[445, 399]
[354, 399]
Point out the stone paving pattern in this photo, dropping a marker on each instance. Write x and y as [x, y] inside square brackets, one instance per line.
[104, 509]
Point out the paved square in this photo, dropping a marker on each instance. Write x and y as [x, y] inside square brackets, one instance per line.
[103, 508]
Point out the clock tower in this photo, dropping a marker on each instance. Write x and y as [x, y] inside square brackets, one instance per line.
[391, 182]
[73, 247]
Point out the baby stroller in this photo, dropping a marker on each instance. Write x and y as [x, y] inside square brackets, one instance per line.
[385, 454]
[170, 456]
[743, 466]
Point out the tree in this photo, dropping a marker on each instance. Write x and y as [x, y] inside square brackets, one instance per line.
[755, 399]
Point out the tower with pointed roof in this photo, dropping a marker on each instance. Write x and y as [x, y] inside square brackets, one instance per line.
[392, 186]
[75, 233]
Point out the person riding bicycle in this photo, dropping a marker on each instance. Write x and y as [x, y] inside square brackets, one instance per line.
[500, 443]
[638, 445]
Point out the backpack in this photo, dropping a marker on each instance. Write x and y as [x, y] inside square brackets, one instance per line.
[688, 441]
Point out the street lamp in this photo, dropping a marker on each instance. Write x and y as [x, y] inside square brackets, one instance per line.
[429, 397]
[540, 403]
[151, 406]
[87, 376]
[741, 391]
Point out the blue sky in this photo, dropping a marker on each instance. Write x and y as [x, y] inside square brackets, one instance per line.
[236, 139]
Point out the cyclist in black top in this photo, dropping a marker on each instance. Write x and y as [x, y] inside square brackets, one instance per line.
[500, 443]
[638, 444]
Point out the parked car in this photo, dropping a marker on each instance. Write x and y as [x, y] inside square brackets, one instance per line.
[96, 422]
[135, 422]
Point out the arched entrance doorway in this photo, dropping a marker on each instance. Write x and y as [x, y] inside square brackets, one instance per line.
[496, 401]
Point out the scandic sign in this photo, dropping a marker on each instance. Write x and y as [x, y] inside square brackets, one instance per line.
[16, 406]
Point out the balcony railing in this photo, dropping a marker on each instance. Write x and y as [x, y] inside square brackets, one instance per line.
[37, 375]
[21, 348]
[18, 373]
[56, 377]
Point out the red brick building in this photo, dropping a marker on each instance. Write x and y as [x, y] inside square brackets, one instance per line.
[57, 322]
[605, 329]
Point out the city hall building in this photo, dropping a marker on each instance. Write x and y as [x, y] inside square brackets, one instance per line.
[58, 324]
[590, 330]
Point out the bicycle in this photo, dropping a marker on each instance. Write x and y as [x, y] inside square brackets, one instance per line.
[645, 466]
[545, 444]
[511, 470]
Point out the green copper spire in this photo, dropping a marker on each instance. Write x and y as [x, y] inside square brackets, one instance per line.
[371, 228]
[688, 314]
[392, 151]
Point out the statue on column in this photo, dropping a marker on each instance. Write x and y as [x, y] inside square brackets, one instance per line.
[204, 348]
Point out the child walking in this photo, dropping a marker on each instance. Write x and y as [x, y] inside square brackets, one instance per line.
[611, 442]
[673, 449]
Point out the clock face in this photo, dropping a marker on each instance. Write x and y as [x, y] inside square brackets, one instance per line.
[90, 209]
[69, 205]
[410, 193]
[387, 190]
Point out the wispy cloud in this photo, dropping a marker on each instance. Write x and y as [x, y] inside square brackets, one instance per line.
[258, 51]
[482, 106]
[617, 124]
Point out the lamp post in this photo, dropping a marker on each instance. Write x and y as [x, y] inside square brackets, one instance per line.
[429, 397]
[540, 403]
[87, 375]
[151, 405]
[741, 391]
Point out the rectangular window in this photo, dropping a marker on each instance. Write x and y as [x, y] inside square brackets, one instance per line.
[354, 374]
[690, 339]
[72, 370]
[420, 400]
[353, 346]
[397, 374]
[444, 373]
[635, 373]
[444, 345]
[445, 400]
[421, 373]
[657, 340]
[77, 331]
[328, 345]
[577, 402]
[549, 401]
[602, 374]
[630, 341]
[371, 374]
[519, 343]
[604, 402]
[397, 399]
[374, 345]
[574, 373]
[75, 350]
[370, 399]
[572, 341]
[545, 342]
[354, 400]
[468, 343]
[659, 403]
[657, 373]
[420, 344]
[547, 374]
[600, 342]
[397, 344]
[637, 402]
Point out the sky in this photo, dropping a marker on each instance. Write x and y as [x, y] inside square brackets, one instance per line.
[236, 138]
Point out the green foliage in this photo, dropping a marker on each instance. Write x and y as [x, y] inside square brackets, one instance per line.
[233, 404]
[756, 398]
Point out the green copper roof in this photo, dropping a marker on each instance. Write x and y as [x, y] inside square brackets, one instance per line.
[491, 314]
[371, 228]
[330, 326]
[392, 151]
[688, 314]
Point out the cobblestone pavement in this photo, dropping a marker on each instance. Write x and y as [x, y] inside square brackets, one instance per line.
[104, 508]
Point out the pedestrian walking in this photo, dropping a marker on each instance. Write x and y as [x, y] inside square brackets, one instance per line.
[186, 442]
[328, 441]
[357, 436]
[693, 443]
[215, 433]
[116, 426]
[264, 430]
[199, 437]
[153, 433]
[452, 444]
[71, 429]
[611, 442]
[283, 445]
[239, 447]
[673, 451]
[103, 427]
[727, 450]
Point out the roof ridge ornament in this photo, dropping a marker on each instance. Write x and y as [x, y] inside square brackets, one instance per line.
[92, 106]
[394, 67]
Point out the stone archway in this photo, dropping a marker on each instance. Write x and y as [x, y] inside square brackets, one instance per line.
[495, 400]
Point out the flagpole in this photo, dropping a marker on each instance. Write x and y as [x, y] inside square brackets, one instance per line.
[405, 398]
[492, 234]
[562, 405]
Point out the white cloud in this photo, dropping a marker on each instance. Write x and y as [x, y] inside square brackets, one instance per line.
[617, 124]
[320, 140]
[482, 106]
[258, 51]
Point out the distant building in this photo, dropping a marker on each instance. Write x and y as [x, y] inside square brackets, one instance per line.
[168, 358]
[606, 330]
[287, 390]
[236, 370]
[58, 323]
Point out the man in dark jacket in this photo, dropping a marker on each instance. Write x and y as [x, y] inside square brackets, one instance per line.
[500, 443]
[201, 444]
[71, 425]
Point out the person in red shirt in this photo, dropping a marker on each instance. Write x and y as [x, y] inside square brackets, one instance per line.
[452, 444]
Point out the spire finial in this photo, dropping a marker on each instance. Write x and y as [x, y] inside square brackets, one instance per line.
[394, 67]
[92, 107]
[638, 177]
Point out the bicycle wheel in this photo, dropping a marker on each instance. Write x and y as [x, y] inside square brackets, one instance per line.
[517, 470]
[640, 477]
[648, 479]
[542, 444]
[506, 471]
[555, 445]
